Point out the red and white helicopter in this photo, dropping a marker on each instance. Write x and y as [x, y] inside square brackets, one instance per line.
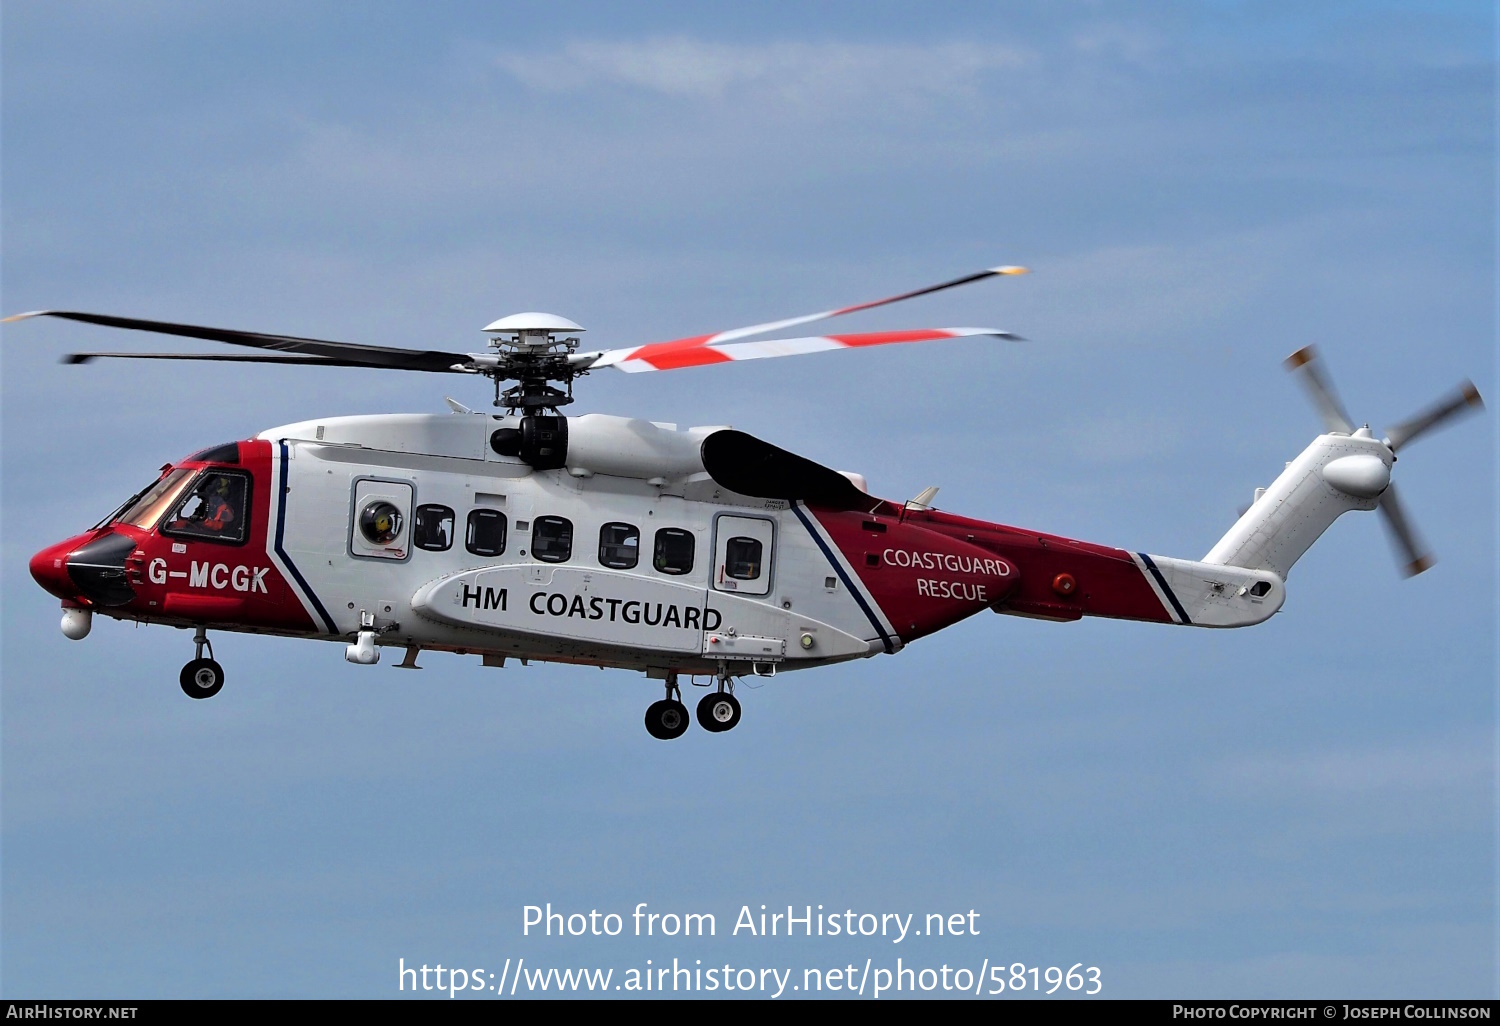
[610, 541]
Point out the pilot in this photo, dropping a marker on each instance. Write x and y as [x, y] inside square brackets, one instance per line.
[218, 511]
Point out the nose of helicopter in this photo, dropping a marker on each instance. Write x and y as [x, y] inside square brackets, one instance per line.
[86, 568]
[49, 568]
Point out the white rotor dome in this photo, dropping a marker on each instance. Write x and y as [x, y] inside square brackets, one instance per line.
[532, 321]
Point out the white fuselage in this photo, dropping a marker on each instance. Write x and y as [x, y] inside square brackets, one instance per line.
[438, 583]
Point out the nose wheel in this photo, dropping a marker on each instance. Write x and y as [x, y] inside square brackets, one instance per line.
[202, 677]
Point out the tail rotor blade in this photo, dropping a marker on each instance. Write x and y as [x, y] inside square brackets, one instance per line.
[1463, 399]
[1410, 550]
[1320, 388]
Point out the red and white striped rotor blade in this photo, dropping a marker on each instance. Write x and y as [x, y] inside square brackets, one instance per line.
[695, 341]
[650, 358]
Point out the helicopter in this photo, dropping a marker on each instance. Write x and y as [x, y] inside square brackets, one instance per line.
[617, 542]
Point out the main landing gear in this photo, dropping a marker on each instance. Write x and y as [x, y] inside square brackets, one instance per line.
[669, 717]
[202, 678]
[718, 712]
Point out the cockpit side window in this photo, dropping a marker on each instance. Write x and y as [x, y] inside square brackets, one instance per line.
[215, 508]
[147, 508]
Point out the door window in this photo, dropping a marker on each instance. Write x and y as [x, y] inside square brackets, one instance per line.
[742, 558]
[742, 554]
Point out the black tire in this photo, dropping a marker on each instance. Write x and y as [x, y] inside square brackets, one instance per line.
[666, 719]
[201, 678]
[718, 712]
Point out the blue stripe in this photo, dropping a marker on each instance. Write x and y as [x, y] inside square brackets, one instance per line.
[838, 568]
[1167, 591]
[281, 532]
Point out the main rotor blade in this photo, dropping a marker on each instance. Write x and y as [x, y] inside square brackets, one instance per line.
[1412, 553]
[650, 358]
[1463, 399]
[1320, 389]
[357, 354]
[306, 361]
[695, 341]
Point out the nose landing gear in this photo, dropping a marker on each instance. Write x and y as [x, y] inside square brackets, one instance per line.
[202, 678]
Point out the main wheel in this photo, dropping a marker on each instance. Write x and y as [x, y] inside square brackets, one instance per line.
[201, 678]
[719, 711]
[666, 719]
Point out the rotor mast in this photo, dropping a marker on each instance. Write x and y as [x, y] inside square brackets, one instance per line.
[533, 349]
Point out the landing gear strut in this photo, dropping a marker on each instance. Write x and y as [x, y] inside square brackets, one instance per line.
[668, 718]
[720, 710]
[202, 678]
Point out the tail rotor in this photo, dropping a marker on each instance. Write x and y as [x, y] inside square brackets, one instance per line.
[1463, 399]
[1411, 553]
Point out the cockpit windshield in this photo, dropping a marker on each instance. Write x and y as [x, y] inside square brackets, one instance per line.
[145, 510]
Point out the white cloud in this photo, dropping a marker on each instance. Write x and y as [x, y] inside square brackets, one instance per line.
[688, 68]
[1433, 766]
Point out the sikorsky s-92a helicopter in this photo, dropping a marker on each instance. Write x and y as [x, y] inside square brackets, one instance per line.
[615, 542]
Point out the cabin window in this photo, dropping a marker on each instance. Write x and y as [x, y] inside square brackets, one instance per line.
[742, 558]
[432, 528]
[619, 546]
[674, 551]
[486, 533]
[216, 508]
[552, 539]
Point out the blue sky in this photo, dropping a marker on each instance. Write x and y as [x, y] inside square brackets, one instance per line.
[1303, 808]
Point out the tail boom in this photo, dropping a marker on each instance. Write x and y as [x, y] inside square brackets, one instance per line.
[1335, 474]
[1066, 579]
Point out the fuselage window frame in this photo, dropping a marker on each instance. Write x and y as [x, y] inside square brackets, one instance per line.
[427, 527]
[556, 534]
[622, 552]
[477, 517]
[665, 561]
